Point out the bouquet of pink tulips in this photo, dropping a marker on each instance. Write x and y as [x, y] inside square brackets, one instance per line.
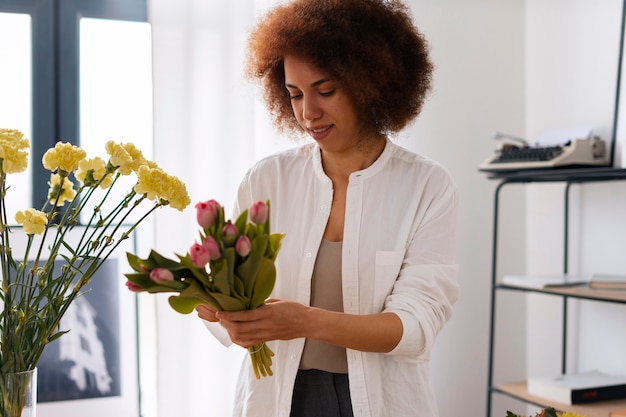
[231, 268]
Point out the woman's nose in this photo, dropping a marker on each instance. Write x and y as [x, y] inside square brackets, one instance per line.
[310, 108]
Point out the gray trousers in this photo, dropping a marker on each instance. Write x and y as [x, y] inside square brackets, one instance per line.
[321, 394]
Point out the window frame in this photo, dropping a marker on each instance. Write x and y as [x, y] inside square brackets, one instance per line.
[56, 69]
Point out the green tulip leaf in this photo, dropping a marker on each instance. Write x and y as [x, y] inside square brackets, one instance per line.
[228, 303]
[264, 284]
[191, 297]
[249, 269]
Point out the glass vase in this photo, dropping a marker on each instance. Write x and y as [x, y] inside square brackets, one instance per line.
[18, 394]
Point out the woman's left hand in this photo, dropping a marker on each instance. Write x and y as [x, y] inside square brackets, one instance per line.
[275, 320]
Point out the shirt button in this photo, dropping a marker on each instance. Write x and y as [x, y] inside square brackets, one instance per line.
[293, 357]
[308, 254]
[323, 207]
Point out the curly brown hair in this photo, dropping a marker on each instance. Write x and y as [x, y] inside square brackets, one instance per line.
[372, 47]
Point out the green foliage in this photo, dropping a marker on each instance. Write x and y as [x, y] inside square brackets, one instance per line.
[231, 282]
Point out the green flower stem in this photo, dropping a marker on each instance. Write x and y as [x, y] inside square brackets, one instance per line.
[261, 357]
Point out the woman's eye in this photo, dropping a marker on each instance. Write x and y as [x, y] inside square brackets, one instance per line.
[327, 93]
[295, 96]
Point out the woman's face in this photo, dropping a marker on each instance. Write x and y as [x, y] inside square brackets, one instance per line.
[321, 106]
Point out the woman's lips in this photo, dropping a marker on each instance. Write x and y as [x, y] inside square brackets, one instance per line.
[320, 132]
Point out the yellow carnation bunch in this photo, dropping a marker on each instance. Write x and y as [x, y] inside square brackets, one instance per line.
[34, 294]
[13, 154]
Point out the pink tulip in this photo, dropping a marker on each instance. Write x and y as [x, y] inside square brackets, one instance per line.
[133, 287]
[199, 255]
[259, 212]
[230, 230]
[207, 212]
[243, 246]
[161, 275]
[212, 247]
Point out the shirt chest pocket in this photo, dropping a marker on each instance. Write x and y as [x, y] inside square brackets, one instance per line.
[388, 264]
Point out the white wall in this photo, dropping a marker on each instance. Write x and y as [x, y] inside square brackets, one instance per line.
[500, 66]
[520, 67]
[478, 50]
[571, 70]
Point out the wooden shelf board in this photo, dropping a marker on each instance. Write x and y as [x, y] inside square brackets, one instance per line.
[599, 409]
[583, 292]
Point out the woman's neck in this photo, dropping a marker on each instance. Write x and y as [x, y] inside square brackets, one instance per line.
[356, 159]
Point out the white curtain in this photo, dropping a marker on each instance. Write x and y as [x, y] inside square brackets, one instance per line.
[209, 127]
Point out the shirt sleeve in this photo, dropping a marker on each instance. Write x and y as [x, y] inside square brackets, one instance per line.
[218, 332]
[427, 286]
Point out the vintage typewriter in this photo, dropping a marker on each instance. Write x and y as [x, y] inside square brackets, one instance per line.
[514, 154]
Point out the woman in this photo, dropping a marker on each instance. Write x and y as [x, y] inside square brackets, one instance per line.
[366, 277]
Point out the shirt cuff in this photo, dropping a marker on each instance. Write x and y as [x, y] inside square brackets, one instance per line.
[218, 332]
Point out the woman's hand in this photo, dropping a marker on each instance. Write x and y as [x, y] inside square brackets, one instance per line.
[275, 320]
[285, 320]
[206, 312]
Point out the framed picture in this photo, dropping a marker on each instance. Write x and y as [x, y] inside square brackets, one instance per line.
[93, 369]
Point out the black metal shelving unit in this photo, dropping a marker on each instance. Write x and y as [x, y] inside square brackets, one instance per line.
[568, 176]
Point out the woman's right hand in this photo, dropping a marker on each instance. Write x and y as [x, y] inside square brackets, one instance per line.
[206, 312]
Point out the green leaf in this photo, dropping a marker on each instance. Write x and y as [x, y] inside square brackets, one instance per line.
[228, 303]
[249, 268]
[274, 246]
[190, 270]
[163, 262]
[57, 335]
[241, 221]
[263, 284]
[550, 412]
[144, 281]
[134, 261]
[220, 273]
[191, 297]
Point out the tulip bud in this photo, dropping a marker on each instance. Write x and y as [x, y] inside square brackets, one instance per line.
[199, 255]
[212, 248]
[259, 212]
[243, 246]
[207, 213]
[161, 275]
[230, 234]
[230, 230]
[133, 287]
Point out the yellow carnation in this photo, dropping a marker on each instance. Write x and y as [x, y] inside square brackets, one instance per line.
[125, 156]
[64, 157]
[61, 187]
[90, 171]
[13, 157]
[157, 184]
[176, 193]
[34, 221]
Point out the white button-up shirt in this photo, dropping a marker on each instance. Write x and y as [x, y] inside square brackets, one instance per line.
[399, 255]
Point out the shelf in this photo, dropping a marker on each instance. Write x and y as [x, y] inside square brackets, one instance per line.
[519, 391]
[582, 292]
[587, 174]
[570, 177]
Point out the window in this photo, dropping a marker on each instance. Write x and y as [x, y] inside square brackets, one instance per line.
[80, 72]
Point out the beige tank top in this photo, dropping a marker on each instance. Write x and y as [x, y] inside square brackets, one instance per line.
[326, 293]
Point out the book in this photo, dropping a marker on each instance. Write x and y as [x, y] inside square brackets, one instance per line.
[546, 281]
[608, 282]
[579, 388]
[618, 413]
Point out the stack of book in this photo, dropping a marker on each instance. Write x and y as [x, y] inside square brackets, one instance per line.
[596, 281]
[608, 282]
[579, 388]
